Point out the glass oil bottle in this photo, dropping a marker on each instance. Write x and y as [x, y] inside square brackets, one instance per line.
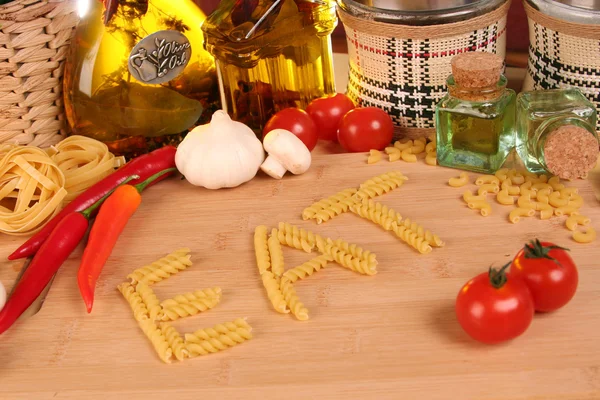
[271, 55]
[137, 76]
[556, 132]
[475, 120]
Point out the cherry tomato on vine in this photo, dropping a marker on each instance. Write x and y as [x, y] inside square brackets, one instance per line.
[549, 272]
[327, 112]
[296, 121]
[363, 129]
[494, 307]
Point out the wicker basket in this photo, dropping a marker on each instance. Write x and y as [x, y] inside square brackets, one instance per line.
[34, 38]
[563, 54]
[403, 69]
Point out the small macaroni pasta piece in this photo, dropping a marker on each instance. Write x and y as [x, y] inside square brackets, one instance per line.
[412, 239]
[292, 300]
[504, 198]
[546, 213]
[568, 192]
[393, 153]
[418, 146]
[516, 214]
[483, 206]
[574, 220]
[524, 201]
[276, 254]
[512, 190]
[150, 300]
[347, 260]
[431, 158]
[461, 180]
[566, 210]
[261, 249]
[374, 156]
[586, 236]
[540, 206]
[158, 339]
[174, 340]
[555, 183]
[530, 176]
[542, 195]
[162, 268]
[307, 269]
[403, 145]
[487, 179]
[213, 344]
[185, 305]
[525, 189]
[311, 211]
[542, 186]
[140, 312]
[408, 156]
[430, 147]
[271, 283]
[501, 174]
[516, 177]
[488, 188]
[468, 197]
[556, 200]
[575, 201]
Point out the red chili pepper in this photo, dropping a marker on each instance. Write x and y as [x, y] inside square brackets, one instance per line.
[54, 251]
[144, 166]
[110, 222]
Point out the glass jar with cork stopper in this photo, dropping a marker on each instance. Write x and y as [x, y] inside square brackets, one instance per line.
[475, 120]
[556, 132]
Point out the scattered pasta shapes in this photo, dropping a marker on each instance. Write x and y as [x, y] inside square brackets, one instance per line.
[529, 194]
[149, 311]
[408, 151]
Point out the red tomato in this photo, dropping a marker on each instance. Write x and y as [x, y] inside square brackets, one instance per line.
[327, 112]
[494, 307]
[296, 121]
[363, 129]
[549, 272]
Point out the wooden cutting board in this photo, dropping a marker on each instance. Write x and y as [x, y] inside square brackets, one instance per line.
[390, 336]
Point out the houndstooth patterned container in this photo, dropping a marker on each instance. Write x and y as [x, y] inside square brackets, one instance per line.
[403, 68]
[564, 52]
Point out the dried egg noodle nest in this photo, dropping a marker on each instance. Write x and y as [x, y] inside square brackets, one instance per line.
[32, 188]
[84, 161]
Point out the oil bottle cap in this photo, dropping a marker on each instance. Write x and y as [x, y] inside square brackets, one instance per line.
[571, 151]
[476, 69]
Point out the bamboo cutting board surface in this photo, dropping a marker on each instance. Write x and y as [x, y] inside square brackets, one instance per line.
[390, 336]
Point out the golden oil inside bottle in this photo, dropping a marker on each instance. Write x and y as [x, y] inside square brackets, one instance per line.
[476, 134]
[105, 101]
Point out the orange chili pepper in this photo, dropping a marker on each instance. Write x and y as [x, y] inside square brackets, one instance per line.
[110, 222]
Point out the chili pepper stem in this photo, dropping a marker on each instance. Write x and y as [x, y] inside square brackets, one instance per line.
[142, 185]
[90, 210]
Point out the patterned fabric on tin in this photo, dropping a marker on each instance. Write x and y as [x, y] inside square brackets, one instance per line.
[407, 77]
[557, 60]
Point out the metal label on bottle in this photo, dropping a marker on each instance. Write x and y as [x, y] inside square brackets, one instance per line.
[160, 57]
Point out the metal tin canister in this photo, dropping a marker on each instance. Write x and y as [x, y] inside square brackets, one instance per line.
[564, 50]
[399, 52]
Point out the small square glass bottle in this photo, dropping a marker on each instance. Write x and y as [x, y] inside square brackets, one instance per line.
[475, 120]
[556, 132]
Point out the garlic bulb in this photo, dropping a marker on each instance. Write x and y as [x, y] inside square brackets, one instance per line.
[220, 154]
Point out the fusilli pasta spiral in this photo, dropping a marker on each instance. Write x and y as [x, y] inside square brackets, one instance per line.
[394, 176]
[220, 337]
[429, 237]
[348, 261]
[271, 283]
[238, 325]
[334, 210]
[140, 312]
[261, 249]
[412, 238]
[292, 300]
[163, 268]
[158, 340]
[356, 252]
[150, 300]
[311, 211]
[276, 254]
[307, 269]
[301, 239]
[377, 213]
[174, 340]
[187, 304]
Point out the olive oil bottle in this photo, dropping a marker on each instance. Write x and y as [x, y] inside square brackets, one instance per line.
[271, 54]
[137, 76]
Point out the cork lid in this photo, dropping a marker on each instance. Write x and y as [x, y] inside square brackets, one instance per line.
[571, 152]
[477, 69]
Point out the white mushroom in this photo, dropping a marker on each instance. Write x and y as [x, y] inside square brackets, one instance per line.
[286, 153]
